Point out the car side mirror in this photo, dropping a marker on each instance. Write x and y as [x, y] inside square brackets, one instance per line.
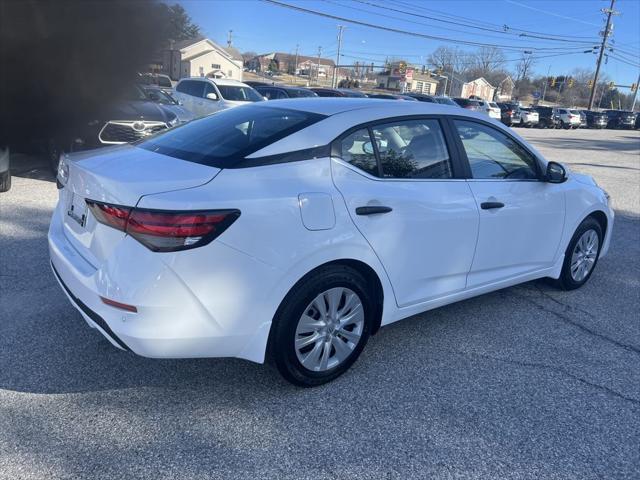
[555, 173]
[212, 96]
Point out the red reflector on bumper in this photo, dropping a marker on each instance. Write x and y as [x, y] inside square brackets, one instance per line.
[121, 306]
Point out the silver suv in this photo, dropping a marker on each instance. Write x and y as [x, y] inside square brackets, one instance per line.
[202, 96]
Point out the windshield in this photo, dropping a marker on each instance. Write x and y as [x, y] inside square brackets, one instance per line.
[135, 93]
[239, 93]
[158, 96]
[223, 138]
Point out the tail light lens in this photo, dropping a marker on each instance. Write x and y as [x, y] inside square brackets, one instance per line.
[165, 231]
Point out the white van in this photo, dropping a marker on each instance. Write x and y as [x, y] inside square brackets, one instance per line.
[202, 96]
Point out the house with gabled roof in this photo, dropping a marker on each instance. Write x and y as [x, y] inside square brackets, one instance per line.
[201, 57]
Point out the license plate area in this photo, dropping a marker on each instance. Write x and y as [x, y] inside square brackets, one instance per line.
[77, 209]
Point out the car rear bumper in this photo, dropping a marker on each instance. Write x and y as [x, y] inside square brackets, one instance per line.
[171, 320]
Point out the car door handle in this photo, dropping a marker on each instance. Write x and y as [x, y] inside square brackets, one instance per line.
[372, 210]
[491, 205]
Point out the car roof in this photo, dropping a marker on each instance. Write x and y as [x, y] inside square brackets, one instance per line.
[343, 113]
[217, 81]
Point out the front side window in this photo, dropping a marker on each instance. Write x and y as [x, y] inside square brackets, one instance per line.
[227, 136]
[493, 154]
[412, 149]
[357, 150]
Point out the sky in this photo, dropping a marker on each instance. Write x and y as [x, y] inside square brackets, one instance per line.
[568, 28]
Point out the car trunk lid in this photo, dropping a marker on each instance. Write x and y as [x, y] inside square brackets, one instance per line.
[118, 176]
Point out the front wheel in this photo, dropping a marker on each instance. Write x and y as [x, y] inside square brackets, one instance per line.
[581, 256]
[322, 326]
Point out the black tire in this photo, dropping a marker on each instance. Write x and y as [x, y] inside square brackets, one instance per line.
[566, 281]
[281, 347]
[5, 181]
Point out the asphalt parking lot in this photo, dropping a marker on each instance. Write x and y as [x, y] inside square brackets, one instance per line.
[528, 382]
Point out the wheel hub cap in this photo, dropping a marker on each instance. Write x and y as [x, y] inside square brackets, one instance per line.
[584, 255]
[329, 329]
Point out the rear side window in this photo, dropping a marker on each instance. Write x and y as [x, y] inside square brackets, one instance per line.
[191, 87]
[224, 138]
[357, 149]
[407, 149]
[412, 149]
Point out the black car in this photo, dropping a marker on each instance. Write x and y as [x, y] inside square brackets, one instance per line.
[596, 119]
[637, 120]
[547, 117]
[327, 92]
[391, 96]
[423, 97]
[255, 83]
[620, 119]
[132, 118]
[350, 92]
[277, 92]
[510, 114]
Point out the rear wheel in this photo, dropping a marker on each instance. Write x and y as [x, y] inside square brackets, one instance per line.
[322, 326]
[581, 256]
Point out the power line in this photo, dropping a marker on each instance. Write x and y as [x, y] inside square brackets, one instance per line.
[553, 14]
[505, 30]
[396, 30]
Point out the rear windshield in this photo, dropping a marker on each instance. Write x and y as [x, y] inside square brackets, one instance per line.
[239, 94]
[222, 139]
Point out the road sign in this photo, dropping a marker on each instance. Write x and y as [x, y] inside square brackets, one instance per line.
[536, 95]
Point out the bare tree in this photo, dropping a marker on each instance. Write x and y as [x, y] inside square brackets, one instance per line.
[488, 59]
[447, 59]
[524, 67]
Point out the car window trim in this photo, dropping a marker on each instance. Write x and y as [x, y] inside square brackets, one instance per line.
[463, 152]
[457, 166]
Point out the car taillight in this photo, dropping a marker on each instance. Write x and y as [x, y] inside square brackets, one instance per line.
[509, 112]
[165, 231]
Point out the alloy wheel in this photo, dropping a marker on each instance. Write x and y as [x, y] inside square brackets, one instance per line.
[584, 255]
[329, 329]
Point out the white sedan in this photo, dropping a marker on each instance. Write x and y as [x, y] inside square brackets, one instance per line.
[296, 229]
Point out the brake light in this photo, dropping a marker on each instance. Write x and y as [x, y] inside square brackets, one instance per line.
[509, 112]
[165, 231]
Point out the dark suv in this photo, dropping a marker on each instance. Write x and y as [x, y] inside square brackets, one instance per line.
[620, 119]
[510, 114]
[277, 92]
[547, 117]
[596, 119]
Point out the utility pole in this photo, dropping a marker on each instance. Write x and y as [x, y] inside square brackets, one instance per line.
[334, 80]
[318, 66]
[295, 66]
[544, 90]
[605, 35]
[229, 38]
[635, 94]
